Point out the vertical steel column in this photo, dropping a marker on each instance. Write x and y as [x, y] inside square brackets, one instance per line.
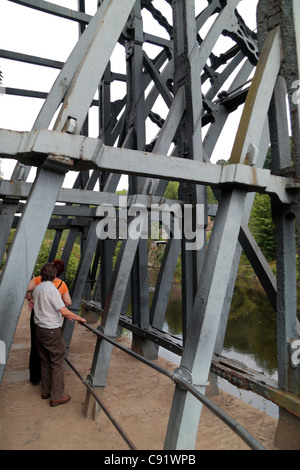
[285, 160]
[243, 240]
[136, 121]
[187, 73]
[80, 279]
[284, 218]
[105, 128]
[27, 241]
[218, 264]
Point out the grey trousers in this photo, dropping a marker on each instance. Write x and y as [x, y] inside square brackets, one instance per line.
[51, 348]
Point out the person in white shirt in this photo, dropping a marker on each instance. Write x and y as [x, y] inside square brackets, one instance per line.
[49, 313]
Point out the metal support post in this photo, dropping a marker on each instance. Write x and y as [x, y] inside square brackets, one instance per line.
[212, 288]
[27, 240]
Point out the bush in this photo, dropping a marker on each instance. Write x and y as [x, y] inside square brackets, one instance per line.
[72, 264]
[262, 226]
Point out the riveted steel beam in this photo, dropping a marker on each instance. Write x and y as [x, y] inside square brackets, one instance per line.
[85, 152]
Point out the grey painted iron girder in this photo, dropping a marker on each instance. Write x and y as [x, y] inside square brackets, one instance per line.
[89, 152]
[194, 56]
[212, 7]
[83, 181]
[258, 98]
[221, 22]
[284, 219]
[288, 375]
[79, 182]
[218, 265]
[57, 10]
[197, 355]
[188, 68]
[112, 310]
[166, 137]
[247, 242]
[160, 84]
[259, 263]
[136, 119]
[216, 127]
[222, 76]
[24, 251]
[29, 234]
[7, 213]
[59, 88]
[30, 59]
[154, 186]
[164, 283]
[63, 83]
[119, 285]
[80, 279]
[21, 190]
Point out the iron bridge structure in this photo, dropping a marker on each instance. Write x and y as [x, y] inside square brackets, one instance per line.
[180, 79]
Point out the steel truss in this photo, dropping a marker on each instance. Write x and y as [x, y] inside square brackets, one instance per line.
[183, 68]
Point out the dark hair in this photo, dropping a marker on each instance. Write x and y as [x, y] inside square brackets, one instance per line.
[60, 266]
[48, 272]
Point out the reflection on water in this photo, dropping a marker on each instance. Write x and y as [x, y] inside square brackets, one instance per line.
[251, 329]
[250, 336]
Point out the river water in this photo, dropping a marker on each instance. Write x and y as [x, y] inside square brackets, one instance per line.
[250, 337]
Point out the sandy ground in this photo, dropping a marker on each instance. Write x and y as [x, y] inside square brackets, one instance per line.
[138, 397]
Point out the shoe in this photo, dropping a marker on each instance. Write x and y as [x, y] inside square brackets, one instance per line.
[44, 397]
[62, 401]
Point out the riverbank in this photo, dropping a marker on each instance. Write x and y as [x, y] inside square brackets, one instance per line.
[138, 397]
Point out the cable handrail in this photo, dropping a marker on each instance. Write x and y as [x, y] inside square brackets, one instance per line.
[247, 437]
[100, 402]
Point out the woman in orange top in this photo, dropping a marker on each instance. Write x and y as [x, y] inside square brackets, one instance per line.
[34, 358]
[59, 284]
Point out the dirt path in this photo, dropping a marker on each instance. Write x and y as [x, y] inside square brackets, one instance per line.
[138, 397]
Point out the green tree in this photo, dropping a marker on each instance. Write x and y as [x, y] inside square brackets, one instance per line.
[122, 192]
[262, 226]
[172, 190]
[211, 198]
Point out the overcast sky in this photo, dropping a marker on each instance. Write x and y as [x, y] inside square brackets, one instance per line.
[35, 33]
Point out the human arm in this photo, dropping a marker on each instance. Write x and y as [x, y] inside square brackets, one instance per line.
[28, 296]
[70, 315]
[31, 286]
[66, 299]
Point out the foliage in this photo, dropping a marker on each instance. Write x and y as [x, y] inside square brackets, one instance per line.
[122, 191]
[262, 226]
[172, 190]
[72, 264]
[211, 198]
